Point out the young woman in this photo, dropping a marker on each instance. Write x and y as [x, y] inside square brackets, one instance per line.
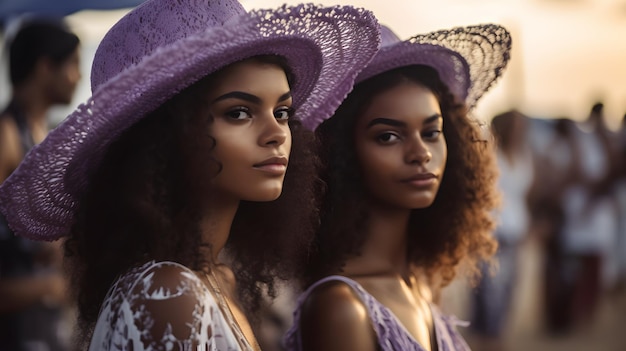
[156, 181]
[410, 186]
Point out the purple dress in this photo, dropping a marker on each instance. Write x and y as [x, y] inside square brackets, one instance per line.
[392, 336]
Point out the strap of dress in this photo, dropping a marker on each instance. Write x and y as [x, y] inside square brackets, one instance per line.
[354, 285]
[448, 337]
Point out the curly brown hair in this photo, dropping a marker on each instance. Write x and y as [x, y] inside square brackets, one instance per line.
[145, 200]
[456, 227]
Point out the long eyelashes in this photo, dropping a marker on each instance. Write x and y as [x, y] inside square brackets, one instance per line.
[391, 137]
[242, 113]
[239, 113]
[432, 135]
[284, 113]
[387, 137]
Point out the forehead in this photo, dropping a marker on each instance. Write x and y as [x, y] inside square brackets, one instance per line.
[250, 73]
[403, 101]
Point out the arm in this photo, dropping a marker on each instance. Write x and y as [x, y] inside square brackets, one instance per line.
[19, 293]
[10, 148]
[334, 318]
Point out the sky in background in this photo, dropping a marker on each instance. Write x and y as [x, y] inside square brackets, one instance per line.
[567, 54]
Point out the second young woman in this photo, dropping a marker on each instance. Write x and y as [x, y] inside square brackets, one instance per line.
[410, 186]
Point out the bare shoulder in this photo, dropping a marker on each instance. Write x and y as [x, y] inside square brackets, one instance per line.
[333, 317]
[335, 299]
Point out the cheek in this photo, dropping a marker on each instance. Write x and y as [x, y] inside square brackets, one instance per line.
[376, 167]
[442, 155]
[367, 156]
[288, 143]
[228, 153]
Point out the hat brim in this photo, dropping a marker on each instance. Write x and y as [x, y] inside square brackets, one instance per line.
[324, 47]
[452, 68]
[468, 59]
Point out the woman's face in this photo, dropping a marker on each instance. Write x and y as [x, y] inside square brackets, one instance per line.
[250, 103]
[401, 148]
[63, 78]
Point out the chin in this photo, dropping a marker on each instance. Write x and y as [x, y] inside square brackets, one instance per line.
[418, 204]
[265, 195]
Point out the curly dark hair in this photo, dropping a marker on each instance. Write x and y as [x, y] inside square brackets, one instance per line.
[145, 200]
[456, 227]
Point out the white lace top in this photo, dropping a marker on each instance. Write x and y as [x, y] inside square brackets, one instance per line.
[161, 306]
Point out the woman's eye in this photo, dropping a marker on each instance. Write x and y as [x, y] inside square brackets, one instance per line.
[283, 113]
[239, 113]
[387, 137]
[432, 135]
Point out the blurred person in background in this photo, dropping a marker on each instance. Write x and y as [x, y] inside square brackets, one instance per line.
[620, 191]
[44, 71]
[493, 297]
[556, 169]
[590, 229]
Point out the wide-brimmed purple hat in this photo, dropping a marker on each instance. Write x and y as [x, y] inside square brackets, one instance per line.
[160, 48]
[468, 59]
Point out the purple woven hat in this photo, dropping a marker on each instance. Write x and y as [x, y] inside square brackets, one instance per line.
[469, 59]
[157, 50]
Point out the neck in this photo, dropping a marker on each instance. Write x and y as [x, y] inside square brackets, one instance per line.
[385, 249]
[33, 103]
[216, 224]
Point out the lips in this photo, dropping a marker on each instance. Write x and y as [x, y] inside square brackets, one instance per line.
[421, 180]
[420, 176]
[279, 160]
[274, 165]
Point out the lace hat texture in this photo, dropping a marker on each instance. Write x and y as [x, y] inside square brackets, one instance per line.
[468, 59]
[160, 48]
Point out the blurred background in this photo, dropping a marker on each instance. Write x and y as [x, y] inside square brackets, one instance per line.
[564, 95]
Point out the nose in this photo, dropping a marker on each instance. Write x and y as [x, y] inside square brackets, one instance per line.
[417, 152]
[74, 75]
[79, 75]
[273, 133]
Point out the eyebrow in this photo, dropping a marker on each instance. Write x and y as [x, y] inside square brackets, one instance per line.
[387, 121]
[248, 97]
[432, 118]
[396, 123]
